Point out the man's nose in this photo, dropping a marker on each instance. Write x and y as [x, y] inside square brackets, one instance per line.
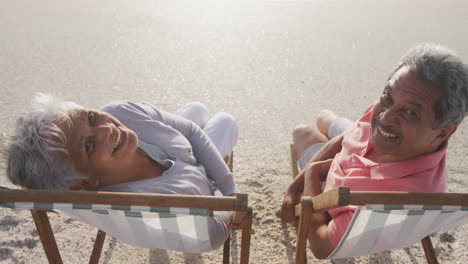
[389, 117]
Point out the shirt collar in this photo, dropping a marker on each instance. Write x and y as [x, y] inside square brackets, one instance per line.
[404, 168]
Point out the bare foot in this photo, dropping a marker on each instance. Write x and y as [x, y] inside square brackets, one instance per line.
[324, 119]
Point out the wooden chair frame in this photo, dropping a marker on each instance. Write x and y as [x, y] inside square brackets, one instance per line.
[238, 204]
[342, 196]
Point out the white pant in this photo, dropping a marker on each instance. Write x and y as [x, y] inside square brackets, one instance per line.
[221, 128]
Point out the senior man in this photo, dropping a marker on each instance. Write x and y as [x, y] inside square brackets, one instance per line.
[399, 143]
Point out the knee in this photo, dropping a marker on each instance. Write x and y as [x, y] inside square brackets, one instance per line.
[307, 135]
[226, 119]
[195, 112]
[198, 107]
[302, 131]
[223, 130]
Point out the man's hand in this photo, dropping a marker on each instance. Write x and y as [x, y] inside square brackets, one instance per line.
[315, 174]
[308, 182]
[291, 198]
[293, 194]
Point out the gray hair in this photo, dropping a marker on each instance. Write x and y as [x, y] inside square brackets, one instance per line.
[34, 150]
[440, 66]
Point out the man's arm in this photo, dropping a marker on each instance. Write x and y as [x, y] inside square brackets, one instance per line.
[296, 188]
[318, 227]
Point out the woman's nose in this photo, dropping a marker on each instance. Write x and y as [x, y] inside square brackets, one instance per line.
[103, 131]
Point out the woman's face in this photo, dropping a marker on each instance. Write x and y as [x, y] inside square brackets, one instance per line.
[99, 145]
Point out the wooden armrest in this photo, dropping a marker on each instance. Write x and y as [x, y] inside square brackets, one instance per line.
[341, 196]
[213, 203]
[325, 201]
[437, 199]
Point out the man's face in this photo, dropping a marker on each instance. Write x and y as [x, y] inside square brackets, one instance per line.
[403, 118]
[98, 144]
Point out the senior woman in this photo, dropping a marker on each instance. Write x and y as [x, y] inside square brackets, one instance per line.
[124, 146]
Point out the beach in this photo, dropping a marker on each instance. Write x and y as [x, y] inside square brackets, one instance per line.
[271, 64]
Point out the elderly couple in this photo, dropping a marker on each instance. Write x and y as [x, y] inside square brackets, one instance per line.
[399, 143]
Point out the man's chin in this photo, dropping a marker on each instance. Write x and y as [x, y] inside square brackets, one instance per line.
[385, 147]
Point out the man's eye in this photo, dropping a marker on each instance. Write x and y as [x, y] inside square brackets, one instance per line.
[88, 147]
[91, 118]
[411, 113]
[385, 99]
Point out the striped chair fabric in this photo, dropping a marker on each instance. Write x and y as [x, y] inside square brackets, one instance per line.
[181, 229]
[375, 228]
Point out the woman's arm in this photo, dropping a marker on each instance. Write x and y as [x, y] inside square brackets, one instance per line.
[148, 120]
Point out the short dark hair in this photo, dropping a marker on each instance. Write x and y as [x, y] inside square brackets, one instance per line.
[440, 66]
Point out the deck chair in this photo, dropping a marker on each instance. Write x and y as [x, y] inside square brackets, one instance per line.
[172, 222]
[382, 220]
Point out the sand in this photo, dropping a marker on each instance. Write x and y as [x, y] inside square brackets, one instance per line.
[271, 64]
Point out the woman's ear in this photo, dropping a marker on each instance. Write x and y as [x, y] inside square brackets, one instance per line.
[85, 184]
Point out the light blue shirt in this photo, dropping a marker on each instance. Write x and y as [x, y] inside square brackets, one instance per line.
[157, 154]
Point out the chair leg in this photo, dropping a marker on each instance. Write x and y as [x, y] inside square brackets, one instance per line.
[246, 235]
[294, 169]
[231, 162]
[302, 233]
[97, 249]
[46, 235]
[227, 250]
[429, 250]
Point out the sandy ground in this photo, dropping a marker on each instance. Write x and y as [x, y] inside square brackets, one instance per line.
[272, 64]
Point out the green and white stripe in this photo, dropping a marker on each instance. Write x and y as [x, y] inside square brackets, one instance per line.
[105, 207]
[180, 229]
[376, 228]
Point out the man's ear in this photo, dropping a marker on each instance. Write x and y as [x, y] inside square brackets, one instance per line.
[445, 133]
[85, 184]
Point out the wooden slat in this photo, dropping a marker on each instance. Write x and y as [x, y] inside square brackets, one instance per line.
[341, 196]
[246, 236]
[303, 229]
[362, 198]
[242, 201]
[97, 249]
[224, 203]
[294, 169]
[429, 250]
[47, 236]
[231, 162]
[328, 200]
[227, 250]
[334, 198]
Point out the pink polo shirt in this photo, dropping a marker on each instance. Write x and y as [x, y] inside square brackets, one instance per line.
[350, 168]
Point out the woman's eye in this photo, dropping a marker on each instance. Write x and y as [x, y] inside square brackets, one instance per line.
[91, 118]
[88, 147]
